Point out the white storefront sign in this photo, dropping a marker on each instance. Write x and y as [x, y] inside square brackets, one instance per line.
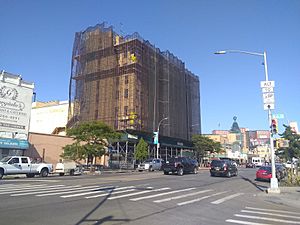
[15, 105]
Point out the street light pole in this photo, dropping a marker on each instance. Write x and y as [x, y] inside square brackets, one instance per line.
[274, 182]
[158, 145]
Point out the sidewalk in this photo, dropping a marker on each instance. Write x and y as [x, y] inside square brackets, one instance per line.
[288, 196]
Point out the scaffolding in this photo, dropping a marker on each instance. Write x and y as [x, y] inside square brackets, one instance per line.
[128, 83]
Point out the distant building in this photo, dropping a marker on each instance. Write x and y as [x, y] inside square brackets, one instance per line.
[128, 83]
[15, 101]
[294, 126]
[49, 117]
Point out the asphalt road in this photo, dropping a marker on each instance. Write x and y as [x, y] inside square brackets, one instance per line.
[141, 198]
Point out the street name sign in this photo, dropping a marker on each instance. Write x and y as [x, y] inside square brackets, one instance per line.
[278, 116]
[269, 83]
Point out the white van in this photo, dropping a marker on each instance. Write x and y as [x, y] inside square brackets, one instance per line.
[257, 161]
[68, 167]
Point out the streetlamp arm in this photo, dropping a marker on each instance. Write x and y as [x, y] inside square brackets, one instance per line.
[239, 51]
[161, 122]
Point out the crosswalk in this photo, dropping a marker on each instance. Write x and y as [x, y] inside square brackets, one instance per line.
[158, 195]
[263, 216]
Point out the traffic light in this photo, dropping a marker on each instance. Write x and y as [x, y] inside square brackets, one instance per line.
[155, 137]
[274, 128]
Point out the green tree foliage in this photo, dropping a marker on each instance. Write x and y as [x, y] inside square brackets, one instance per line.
[294, 143]
[91, 138]
[141, 151]
[204, 145]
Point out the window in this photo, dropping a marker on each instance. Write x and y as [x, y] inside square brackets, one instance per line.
[126, 93]
[14, 160]
[125, 110]
[126, 79]
[24, 160]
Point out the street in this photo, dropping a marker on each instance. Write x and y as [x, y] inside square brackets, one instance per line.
[141, 198]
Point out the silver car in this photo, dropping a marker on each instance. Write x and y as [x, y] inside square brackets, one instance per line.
[151, 165]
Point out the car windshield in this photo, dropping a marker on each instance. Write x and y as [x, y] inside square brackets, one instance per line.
[172, 160]
[5, 159]
[266, 168]
[217, 163]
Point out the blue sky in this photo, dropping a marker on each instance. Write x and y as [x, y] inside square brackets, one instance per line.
[37, 37]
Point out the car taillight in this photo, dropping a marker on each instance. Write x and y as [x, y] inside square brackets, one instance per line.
[225, 168]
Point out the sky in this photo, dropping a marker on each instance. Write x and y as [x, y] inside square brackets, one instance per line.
[36, 42]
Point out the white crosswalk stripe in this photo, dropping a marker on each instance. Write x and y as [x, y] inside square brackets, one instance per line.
[200, 199]
[116, 192]
[32, 189]
[226, 198]
[138, 193]
[102, 190]
[181, 196]
[161, 194]
[73, 190]
[265, 216]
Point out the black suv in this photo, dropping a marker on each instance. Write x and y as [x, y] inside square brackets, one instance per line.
[223, 168]
[180, 165]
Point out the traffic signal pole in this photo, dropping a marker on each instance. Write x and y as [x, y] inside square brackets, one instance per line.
[274, 182]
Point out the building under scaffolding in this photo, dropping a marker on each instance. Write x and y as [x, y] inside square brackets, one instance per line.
[128, 83]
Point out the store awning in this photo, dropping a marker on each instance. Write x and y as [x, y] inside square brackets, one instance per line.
[14, 143]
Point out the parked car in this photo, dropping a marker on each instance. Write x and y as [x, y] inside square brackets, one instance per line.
[223, 168]
[179, 165]
[69, 167]
[282, 171]
[250, 165]
[151, 165]
[265, 173]
[12, 165]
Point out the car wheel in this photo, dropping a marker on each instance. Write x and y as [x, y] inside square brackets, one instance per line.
[229, 174]
[212, 174]
[1, 173]
[72, 172]
[150, 169]
[44, 172]
[166, 173]
[180, 171]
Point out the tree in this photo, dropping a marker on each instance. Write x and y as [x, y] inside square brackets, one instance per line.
[294, 143]
[204, 144]
[91, 138]
[141, 151]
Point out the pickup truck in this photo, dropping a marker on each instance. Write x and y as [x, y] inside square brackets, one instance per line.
[12, 165]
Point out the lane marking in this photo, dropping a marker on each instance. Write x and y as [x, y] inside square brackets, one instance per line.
[181, 196]
[273, 210]
[270, 214]
[11, 188]
[246, 222]
[221, 200]
[110, 193]
[161, 194]
[98, 190]
[199, 199]
[138, 193]
[73, 190]
[267, 218]
[33, 189]
[43, 191]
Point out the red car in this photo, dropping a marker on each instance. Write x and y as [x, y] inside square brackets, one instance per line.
[264, 173]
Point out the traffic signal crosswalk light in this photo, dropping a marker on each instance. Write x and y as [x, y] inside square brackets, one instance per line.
[274, 128]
